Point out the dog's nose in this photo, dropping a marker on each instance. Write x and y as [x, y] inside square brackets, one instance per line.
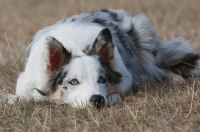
[97, 101]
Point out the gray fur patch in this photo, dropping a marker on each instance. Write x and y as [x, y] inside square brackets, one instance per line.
[143, 54]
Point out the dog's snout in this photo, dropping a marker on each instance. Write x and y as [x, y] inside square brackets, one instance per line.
[97, 101]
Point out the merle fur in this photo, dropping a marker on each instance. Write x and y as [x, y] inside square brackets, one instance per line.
[144, 55]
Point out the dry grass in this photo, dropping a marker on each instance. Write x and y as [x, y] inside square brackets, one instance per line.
[156, 107]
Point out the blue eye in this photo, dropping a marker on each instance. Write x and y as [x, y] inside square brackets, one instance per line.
[101, 80]
[74, 82]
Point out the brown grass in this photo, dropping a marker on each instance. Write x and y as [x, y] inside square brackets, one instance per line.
[156, 107]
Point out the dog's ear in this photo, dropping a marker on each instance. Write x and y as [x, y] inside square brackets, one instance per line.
[103, 46]
[57, 54]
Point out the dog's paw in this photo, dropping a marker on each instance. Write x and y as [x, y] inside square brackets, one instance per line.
[114, 98]
[11, 99]
[176, 78]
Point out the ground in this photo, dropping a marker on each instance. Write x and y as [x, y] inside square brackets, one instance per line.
[156, 107]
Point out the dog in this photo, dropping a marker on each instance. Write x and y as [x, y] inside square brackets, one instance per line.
[94, 58]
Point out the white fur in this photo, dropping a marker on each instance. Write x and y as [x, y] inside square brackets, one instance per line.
[138, 54]
[85, 69]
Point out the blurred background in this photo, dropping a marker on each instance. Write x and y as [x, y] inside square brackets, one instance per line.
[21, 19]
[159, 108]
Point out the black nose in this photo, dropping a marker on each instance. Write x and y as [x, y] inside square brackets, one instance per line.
[97, 101]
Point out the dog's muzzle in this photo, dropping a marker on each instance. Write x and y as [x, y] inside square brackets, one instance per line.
[97, 101]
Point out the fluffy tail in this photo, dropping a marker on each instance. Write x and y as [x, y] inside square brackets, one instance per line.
[180, 56]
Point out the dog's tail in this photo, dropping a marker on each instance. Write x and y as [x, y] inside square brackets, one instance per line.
[180, 57]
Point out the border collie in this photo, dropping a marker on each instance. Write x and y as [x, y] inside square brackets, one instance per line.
[94, 58]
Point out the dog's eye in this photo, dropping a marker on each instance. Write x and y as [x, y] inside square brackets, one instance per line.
[101, 80]
[74, 82]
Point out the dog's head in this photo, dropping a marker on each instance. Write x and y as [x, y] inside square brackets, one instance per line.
[82, 80]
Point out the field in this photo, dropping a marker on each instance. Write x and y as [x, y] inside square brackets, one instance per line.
[155, 107]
